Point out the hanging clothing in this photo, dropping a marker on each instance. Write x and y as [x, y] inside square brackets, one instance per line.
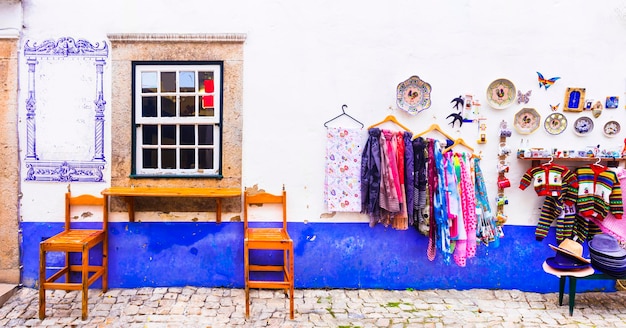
[389, 184]
[342, 187]
[409, 175]
[548, 179]
[433, 183]
[466, 245]
[440, 205]
[420, 183]
[599, 192]
[611, 225]
[370, 176]
[487, 230]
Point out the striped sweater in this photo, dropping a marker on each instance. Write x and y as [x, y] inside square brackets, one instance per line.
[599, 192]
[551, 180]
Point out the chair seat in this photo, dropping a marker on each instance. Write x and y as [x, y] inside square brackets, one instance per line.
[267, 234]
[73, 239]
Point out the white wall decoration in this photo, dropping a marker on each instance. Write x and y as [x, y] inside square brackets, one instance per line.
[60, 82]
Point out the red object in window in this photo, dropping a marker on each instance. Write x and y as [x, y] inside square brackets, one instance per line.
[207, 101]
[209, 86]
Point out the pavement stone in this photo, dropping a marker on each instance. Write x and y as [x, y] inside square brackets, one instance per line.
[189, 307]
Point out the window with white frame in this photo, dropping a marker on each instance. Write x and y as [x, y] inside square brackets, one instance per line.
[177, 116]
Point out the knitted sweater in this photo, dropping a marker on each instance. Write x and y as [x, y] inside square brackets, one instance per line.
[551, 180]
[599, 192]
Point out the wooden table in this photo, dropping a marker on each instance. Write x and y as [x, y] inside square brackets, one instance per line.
[129, 194]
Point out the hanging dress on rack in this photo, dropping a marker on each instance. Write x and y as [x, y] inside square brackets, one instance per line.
[343, 169]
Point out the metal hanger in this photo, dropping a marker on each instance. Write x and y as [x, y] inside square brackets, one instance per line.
[343, 112]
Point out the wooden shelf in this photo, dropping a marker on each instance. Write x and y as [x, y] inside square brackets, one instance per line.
[611, 161]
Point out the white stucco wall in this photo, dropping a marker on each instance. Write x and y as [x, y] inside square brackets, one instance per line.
[304, 59]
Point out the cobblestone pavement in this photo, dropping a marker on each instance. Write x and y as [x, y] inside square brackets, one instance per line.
[221, 307]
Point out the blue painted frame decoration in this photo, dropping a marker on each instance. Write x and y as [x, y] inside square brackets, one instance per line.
[65, 170]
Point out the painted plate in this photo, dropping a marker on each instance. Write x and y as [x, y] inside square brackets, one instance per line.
[501, 93]
[413, 95]
[527, 121]
[583, 126]
[555, 123]
[611, 128]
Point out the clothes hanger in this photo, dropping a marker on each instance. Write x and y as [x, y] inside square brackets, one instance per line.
[549, 162]
[479, 156]
[343, 112]
[461, 142]
[597, 163]
[434, 127]
[391, 118]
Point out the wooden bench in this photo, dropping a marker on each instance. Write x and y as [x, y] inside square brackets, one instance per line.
[129, 194]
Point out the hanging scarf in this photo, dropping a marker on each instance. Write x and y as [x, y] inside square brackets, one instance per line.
[433, 182]
[370, 176]
[439, 206]
[343, 164]
[486, 230]
[409, 175]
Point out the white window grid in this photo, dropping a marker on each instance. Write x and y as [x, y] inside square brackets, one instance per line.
[177, 121]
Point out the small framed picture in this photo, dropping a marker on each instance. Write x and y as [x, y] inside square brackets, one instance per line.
[612, 102]
[574, 100]
[588, 104]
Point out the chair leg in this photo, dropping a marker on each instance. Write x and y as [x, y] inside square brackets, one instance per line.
[291, 283]
[246, 269]
[85, 277]
[42, 280]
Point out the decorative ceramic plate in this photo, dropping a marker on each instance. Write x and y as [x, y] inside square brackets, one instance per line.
[583, 126]
[527, 121]
[555, 123]
[611, 128]
[501, 93]
[413, 95]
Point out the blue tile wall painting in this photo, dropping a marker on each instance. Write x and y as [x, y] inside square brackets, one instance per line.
[65, 51]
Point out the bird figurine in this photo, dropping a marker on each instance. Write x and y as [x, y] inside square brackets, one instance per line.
[455, 117]
[458, 101]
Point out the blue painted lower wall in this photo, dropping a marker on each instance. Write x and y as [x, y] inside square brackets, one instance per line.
[327, 255]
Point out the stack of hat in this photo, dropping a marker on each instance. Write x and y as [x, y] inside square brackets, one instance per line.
[568, 260]
[608, 256]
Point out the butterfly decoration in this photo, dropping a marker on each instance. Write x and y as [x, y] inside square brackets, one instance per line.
[546, 83]
[523, 97]
[555, 107]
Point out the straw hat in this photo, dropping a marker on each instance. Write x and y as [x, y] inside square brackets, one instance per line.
[571, 248]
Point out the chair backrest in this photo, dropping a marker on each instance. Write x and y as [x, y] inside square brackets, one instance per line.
[260, 199]
[88, 202]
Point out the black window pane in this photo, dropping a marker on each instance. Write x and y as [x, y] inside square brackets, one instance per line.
[205, 134]
[149, 134]
[149, 158]
[168, 106]
[188, 106]
[168, 159]
[187, 135]
[148, 106]
[187, 159]
[168, 81]
[168, 134]
[205, 159]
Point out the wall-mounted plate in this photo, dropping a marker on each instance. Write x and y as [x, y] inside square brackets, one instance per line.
[527, 121]
[555, 123]
[611, 128]
[501, 93]
[413, 95]
[583, 126]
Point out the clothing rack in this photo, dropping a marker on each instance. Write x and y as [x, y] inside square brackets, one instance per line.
[343, 113]
[392, 119]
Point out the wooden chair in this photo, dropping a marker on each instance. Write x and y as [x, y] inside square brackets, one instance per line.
[268, 239]
[81, 241]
